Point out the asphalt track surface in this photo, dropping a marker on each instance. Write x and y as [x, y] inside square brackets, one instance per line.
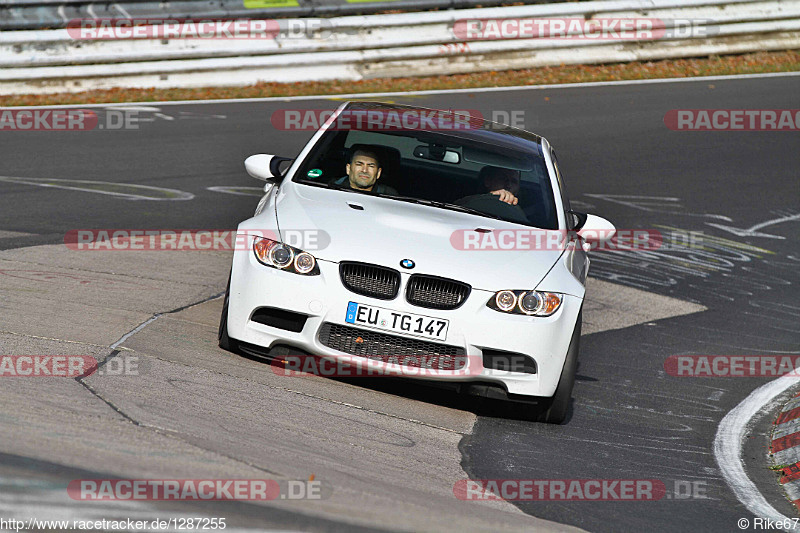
[629, 420]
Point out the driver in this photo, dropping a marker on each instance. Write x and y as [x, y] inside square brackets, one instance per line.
[363, 172]
[502, 182]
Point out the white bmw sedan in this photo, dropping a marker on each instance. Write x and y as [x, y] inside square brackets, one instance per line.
[423, 243]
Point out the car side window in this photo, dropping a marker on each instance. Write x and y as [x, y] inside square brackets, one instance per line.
[564, 198]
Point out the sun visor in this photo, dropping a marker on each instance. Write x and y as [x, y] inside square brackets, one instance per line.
[506, 159]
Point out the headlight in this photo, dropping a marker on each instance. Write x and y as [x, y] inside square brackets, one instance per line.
[531, 303]
[505, 300]
[304, 263]
[278, 255]
[281, 255]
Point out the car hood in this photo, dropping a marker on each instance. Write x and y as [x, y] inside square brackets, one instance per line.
[370, 229]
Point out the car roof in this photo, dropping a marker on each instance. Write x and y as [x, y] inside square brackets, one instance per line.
[480, 129]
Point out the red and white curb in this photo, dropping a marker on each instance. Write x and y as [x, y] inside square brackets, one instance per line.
[785, 448]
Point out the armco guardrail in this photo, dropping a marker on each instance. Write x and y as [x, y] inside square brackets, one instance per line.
[40, 14]
[369, 46]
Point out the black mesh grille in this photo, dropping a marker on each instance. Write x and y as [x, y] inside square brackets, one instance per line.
[511, 362]
[370, 280]
[385, 347]
[280, 318]
[436, 293]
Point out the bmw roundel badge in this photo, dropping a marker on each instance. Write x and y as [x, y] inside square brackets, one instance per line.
[407, 263]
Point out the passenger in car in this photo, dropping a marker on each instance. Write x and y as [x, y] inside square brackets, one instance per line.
[502, 182]
[500, 199]
[363, 172]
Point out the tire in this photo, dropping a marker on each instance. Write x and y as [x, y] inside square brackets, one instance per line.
[225, 342]
[555, 409]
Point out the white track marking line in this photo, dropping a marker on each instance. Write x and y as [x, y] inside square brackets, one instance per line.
[753, 230]
[728, 446]
[356, 96]
[63, 184]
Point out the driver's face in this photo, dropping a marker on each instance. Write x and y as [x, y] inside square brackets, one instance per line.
[363, 172]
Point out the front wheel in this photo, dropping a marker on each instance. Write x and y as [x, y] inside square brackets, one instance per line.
[225, 342]
[554, 410]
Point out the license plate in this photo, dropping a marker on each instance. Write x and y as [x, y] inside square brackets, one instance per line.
[388, 320]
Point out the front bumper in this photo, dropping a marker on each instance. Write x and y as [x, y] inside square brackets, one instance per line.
[474, 327]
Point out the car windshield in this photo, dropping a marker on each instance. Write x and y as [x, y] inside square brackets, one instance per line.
[444, 166]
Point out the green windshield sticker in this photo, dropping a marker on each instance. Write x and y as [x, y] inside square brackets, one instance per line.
[314, 173]
[259, 4]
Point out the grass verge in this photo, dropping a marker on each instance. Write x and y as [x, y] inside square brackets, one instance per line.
[755, 63]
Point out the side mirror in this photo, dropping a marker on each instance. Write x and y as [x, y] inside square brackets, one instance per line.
[265, 167]
[594, 229]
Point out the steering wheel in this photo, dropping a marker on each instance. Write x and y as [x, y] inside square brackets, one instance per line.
[491, 205]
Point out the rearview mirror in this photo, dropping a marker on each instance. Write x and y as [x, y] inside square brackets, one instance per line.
[265, 167]
[437, 152]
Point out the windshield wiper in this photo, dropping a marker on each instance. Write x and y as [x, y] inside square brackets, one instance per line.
[442, 205]
[421, 201]
[325, 185]
[320, 184]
